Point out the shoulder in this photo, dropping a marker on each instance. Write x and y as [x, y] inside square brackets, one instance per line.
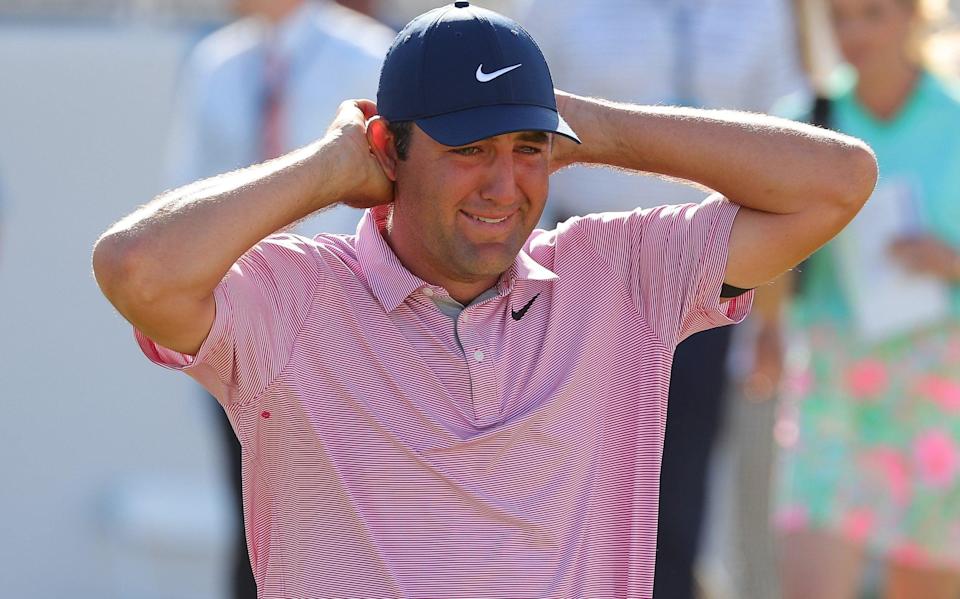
[294, 252]
[943, 91]
[216, 64]
[352, 32]
[590, 237]
[225, 47]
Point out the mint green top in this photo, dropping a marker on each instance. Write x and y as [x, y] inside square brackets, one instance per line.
[919, 147]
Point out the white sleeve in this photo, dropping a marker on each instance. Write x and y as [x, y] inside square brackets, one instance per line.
[781, 73]
[184, 152]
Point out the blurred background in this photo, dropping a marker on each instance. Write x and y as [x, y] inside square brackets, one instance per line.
[116, 483]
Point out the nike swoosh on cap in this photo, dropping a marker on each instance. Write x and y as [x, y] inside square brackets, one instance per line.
[484, 77]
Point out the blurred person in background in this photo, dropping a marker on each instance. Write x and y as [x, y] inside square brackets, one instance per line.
[263, 86]
[397, 12]
[739, 54]
[870, 461]
[259, 88]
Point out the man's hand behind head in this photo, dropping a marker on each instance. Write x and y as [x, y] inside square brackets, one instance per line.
[354, 129]
[563, 151]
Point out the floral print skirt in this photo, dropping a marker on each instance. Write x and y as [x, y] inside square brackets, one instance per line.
[869, 439]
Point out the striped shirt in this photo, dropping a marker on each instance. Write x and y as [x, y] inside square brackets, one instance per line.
[515, 453]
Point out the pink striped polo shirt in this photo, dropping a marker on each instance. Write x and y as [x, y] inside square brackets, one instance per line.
[387, 454]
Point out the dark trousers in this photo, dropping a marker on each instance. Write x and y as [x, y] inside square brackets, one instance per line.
[694, 411]
[242, 585]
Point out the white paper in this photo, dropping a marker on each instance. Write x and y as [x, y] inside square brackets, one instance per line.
[887, 299]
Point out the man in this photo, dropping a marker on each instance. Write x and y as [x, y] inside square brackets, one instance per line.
[451, 403]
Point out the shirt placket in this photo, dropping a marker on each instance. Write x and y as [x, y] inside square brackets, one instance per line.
[473, 329]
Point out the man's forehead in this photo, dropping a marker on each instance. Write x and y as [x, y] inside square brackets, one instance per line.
[529, 136]
[538, 136]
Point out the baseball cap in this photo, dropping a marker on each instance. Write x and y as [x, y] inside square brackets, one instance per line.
[465, 73]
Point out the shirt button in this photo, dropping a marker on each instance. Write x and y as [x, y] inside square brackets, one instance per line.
[478, 356]
[428, 292]
[464, 317]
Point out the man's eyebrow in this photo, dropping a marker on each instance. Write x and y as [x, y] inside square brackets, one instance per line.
[534, 136]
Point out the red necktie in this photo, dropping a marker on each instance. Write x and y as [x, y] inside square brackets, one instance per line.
[274, 79]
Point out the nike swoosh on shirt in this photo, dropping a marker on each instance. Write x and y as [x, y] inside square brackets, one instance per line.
[518, 314]
[484, 77]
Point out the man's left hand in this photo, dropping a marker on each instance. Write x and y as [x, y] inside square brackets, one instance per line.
[563, 151]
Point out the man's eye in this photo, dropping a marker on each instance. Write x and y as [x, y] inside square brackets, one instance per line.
[470, 151]
[529, 149]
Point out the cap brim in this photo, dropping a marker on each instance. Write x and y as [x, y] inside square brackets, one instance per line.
[473, 124]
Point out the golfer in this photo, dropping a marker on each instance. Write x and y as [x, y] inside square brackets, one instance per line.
[450, 402]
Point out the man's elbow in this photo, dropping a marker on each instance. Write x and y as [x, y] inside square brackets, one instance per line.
[856, 179]
[119, 271]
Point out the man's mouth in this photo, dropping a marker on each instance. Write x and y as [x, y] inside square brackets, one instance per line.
[485, 219]
[490, 219]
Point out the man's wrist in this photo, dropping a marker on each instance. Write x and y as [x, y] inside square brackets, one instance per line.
[329, 172]
[584, 115]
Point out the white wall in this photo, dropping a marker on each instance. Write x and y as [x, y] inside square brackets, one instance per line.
[83, 117]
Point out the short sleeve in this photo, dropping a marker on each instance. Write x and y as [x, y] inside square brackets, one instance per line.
[679, 258]
[262, 304]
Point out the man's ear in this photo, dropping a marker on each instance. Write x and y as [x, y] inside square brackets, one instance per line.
[381, 143]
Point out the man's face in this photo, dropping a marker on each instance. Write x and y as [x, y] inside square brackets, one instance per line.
[463, 213]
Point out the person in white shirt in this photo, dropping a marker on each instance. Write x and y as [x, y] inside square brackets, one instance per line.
[268, 84]
[256, 89]
[735, 54]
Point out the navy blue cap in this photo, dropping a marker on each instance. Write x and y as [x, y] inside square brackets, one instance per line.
[464, 73]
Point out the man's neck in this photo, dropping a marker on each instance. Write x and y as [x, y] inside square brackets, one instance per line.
[464, 291]
[275, 13]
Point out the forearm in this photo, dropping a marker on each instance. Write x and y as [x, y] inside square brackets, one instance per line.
[762, 162]
[185, 240]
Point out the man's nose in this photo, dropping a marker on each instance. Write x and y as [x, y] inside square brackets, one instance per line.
[501, 184]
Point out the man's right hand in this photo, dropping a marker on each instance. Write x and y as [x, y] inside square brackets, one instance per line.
[349, 133]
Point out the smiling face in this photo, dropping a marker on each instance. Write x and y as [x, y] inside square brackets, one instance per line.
[872, 34]
[461, 214]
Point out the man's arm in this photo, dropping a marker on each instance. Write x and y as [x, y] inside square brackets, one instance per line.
[798, 185]
[160, 265]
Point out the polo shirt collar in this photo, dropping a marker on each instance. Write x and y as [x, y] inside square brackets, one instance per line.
[392, 283]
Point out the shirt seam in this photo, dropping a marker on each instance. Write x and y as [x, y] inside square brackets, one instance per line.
[715, 224]
[293, 344]
[718, 221]
[222, 341]
[639, 303]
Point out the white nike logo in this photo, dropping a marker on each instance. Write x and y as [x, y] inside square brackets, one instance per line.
[484, 77]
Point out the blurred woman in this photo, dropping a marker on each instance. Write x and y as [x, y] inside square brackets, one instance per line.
[870, 437]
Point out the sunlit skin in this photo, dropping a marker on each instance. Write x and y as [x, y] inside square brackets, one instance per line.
[441, 190]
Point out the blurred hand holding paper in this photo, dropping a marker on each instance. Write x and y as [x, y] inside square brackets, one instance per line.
[887, 299]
